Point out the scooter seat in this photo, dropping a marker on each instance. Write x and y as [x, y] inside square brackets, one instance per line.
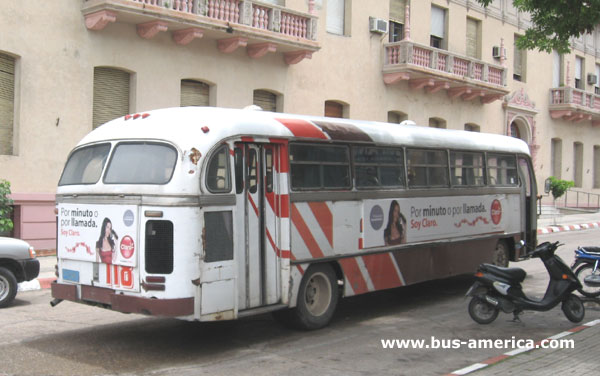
[511, 274]
[595, 251]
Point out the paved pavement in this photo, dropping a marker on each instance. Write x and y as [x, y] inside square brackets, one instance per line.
[580, 360]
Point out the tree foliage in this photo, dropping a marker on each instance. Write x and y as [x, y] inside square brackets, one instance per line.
[559, 187]
[6, 223]
[555, 22]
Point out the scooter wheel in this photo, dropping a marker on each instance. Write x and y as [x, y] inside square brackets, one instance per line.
[581, 272]
[481, 311]
[573, 308]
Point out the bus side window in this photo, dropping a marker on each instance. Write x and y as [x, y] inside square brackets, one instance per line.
[502, 170]
[252, 173]
[269, 169]
[427, 168]
[217, 174]
[218, 236]
[239, 170]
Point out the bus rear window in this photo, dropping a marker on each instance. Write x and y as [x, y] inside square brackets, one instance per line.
[141, 163]
[85, 165]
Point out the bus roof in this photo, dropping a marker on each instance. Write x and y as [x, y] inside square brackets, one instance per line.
[202, 127]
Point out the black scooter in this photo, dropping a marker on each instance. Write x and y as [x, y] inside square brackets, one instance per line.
[498, 288]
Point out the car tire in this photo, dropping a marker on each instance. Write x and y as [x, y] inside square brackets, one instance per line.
[8, 287]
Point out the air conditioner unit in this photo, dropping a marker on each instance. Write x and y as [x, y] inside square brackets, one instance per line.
[497, 52]
[592, 79]
[377, 25]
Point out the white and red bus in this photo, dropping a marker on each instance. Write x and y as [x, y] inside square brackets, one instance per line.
[212, 214]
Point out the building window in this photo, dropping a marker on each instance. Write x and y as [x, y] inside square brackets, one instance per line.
[520, 62]
[514, 130]
[437, 123]
[265, 100]
[194, 93]
[396, 117]
[334, 109]
[111, 95]
[557, 69]
[596, 166]
[397, 15]
[579, 73]
[7, 103]
[597, 85]
[473, 38]
[472, 127]
[578, 164]
[438, 28]
[336, 17]
[556, 155]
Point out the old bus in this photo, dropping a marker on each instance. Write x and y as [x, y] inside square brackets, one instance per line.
[214, 214]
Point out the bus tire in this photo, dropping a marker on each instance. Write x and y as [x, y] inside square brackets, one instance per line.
[8, 287]
[501, 254]
[317, 298]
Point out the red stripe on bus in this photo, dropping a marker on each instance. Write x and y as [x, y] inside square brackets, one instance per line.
[382, 271]
[354, 275]
[247, 139]
[297, 265]
[272, 200]
[305, 234]
[252, 203]
[360, 243]
[324, 217]
[302, 128]
[277, 252]
[284, 210]
[284, 163]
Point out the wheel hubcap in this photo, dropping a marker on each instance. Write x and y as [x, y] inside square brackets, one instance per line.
[318, 294]
[3, 288]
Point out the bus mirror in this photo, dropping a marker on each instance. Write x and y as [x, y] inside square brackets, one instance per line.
[547, 186]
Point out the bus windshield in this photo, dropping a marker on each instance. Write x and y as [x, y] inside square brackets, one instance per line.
[131, 163]
[141, 163]
[85, 165]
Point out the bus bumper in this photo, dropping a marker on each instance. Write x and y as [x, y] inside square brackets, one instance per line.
[123, 303]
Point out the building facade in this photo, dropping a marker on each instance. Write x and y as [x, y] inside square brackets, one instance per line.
[68, 66]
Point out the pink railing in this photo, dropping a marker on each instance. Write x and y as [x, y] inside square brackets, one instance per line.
[225, 10]
[393, 53]
[495, 76]
[557, 96]
[293, 25]
[442, 61]
[421, 56]
[260, 16]
[461, 66]
[478, 71]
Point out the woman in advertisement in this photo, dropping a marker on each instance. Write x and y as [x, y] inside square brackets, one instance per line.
[395, 231]
[105, 246]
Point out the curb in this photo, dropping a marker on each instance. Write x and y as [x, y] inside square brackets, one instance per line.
[491, 361]
[584, 226]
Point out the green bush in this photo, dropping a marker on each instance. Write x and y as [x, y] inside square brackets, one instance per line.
[6, 223]
[559, 187]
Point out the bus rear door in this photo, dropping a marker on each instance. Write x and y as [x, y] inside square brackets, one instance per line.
[258, 234]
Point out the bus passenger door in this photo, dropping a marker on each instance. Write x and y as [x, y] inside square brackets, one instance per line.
[528, 202]
[256, 194]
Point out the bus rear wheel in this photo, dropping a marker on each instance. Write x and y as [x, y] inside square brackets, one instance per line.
[317, 298]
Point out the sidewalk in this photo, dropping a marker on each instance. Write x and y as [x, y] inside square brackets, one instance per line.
[580, 360]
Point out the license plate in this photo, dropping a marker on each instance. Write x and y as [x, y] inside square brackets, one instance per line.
[70, 275]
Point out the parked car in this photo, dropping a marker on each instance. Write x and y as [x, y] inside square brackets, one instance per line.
[17, 264]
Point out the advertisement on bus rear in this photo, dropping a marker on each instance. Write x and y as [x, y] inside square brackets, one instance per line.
[98, 233]
[398, 221]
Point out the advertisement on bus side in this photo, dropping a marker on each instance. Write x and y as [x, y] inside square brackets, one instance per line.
[398, 221]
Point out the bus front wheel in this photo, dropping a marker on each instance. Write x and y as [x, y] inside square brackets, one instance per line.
[317, 298]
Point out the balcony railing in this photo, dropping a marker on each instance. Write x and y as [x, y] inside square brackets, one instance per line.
[574, 105]
[259, 26]
[436, 69]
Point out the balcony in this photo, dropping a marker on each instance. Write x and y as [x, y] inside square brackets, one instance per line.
[259, 27]
[434, 70]
[574, 105]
